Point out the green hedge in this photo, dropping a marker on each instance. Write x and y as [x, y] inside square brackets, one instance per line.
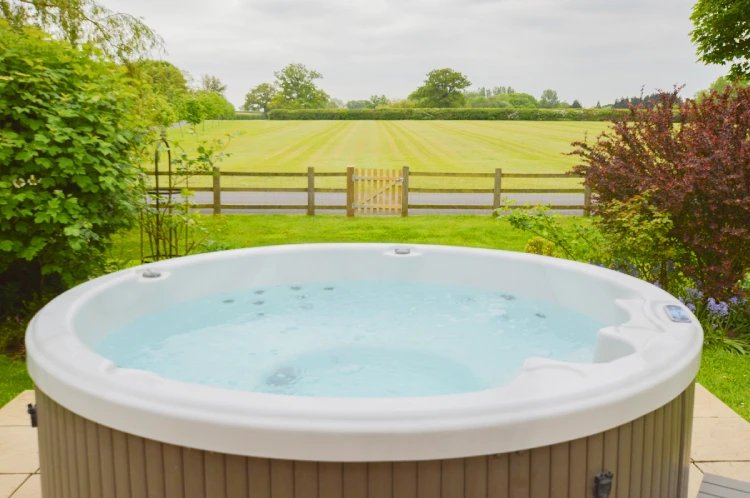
[507, 114]
[245, 116]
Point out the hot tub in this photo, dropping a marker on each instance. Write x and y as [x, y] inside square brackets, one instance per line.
[467, 373]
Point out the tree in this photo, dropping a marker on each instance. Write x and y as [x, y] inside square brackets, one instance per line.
[442, 88]
[503, 90]
[721, 83]
[297, 89]
[167, 86]
[259, 98]
[357, 104]
[549, 99]
[598, 105]
[212, 84]
[335, 104]
[163, 77]
[70, 152]
[121, 37]
[377, 101]
[576, 104]
[645, 100]
[722, 33]
[522, 100]
[674, 152]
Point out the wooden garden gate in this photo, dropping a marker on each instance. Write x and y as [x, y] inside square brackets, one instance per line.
[376, 191]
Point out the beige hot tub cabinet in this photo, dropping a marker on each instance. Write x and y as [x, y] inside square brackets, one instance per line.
[647, 458]
[617, 427]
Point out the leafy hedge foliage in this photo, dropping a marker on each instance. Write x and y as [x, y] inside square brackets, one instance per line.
[506, 114]
[246, 116]
[69, 140]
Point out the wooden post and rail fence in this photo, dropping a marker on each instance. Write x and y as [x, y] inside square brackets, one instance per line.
[382, 191]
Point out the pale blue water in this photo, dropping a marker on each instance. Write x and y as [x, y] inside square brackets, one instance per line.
[352, 339]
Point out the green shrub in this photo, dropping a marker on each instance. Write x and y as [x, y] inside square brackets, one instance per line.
[69, 144]
[541, 246]
[505, 114]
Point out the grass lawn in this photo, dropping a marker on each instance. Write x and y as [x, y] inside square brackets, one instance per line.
[515, 146]
[726, 375]
[13, 379]
[444, 146]
[264, 230]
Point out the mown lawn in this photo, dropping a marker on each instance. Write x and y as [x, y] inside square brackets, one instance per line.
[727, 375]
[13, 379]
[431, 146]
[238, 231]
[724, 374]
[515, 146]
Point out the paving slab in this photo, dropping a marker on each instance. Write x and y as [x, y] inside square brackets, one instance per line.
[709, 406]
[32, 488]
[720, 439]
[19, 450]
[10, 482]
[14, 413]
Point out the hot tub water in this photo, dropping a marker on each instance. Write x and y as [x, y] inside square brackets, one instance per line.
[352, 339]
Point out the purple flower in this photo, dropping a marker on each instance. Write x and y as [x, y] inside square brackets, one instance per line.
[691, 307]
[719, 309]
[657, 284]
[734, 300]
[694, 294]
[682, 300]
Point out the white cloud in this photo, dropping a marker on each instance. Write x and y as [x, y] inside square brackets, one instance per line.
[585, 49]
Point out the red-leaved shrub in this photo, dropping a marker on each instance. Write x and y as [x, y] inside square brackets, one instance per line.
[695, 159]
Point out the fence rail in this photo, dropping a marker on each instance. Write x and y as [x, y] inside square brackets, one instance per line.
[349, 205]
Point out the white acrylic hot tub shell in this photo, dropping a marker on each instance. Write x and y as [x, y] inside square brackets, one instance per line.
[646, 361]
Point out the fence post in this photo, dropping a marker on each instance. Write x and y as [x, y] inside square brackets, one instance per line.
[350, 191]
[405, 192]
[310, 191]
[587, 201]
[497, 194]
[217, 190]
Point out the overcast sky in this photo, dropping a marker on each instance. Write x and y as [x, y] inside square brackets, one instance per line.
[585, 49]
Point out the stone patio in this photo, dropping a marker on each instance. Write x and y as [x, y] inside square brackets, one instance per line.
[721, 445]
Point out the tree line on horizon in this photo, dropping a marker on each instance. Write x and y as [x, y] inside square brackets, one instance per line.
[295, 87]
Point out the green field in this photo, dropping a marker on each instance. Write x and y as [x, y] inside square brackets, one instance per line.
[444, 146]
[530, 147]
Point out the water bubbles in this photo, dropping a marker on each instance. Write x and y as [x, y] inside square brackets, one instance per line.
[368, 338]
[282, 377]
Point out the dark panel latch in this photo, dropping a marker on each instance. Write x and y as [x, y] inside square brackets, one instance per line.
[603, 484]
[31, 410]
